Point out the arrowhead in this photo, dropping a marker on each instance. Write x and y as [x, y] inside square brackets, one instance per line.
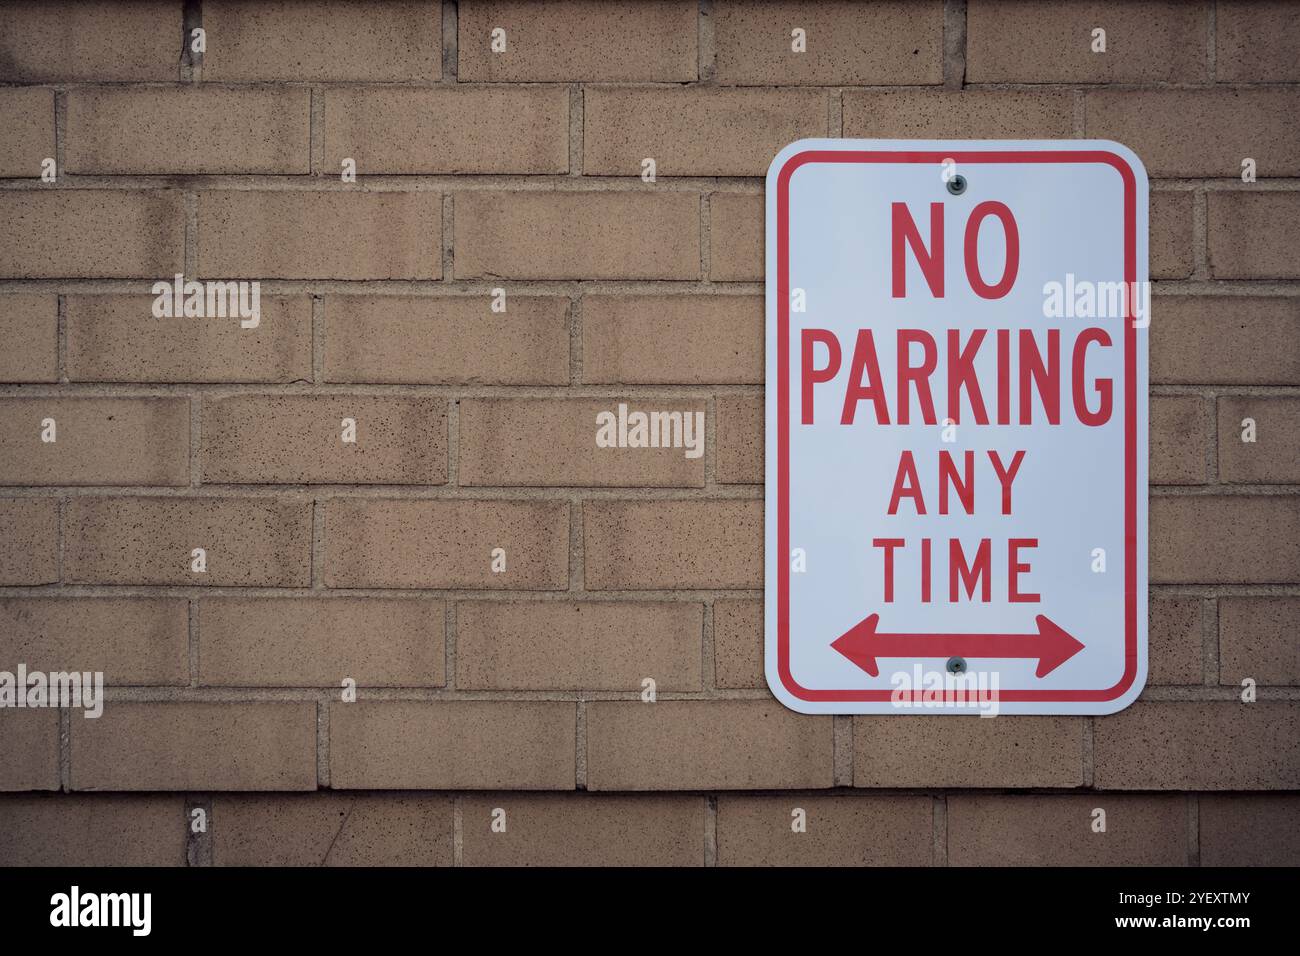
[855, 644]
[1055, 646]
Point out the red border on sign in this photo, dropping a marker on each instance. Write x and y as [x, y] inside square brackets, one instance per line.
[783, 406]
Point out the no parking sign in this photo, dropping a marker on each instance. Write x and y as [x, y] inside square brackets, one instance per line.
[956, 514]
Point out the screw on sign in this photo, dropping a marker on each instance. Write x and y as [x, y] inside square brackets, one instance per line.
[956, 427]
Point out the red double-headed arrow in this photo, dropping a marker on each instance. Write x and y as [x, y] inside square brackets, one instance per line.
[862, 644]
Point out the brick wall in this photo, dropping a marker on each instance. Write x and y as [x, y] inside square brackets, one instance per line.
[520, 690]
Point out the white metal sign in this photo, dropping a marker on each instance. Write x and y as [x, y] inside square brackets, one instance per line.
[956, 427]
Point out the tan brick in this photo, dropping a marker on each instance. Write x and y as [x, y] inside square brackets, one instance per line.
[298, 439]
[188, 129]
[1214, 539]
[322, 40]
[738, 644]
[1057, 830]
[848, 44]
[929, 751]
[1240, 829]
[842, 830]
[1178, 439]
[98, 441]
[29, 327]
[674, 544]
[100, 830]
[27, 114]
[705, 745]
[318, 642]
[1171, 237]
[577, 235]
[1230, 125]
[196, 746]
[544, 829]
[1274, 455]
[1175, 647]
[1045, 42]
[130, 640]
[740, 439]
[29, 749]
[332, 829]
[1257, 640]
[490, 129]
[139, 540]
[579, 40]
[320, 235]
[29, 541]
[1225, 340]
[96, 41]
[447, 340]
[1198, 745]
[115, 338]
[553, 442]
[90, 233]
[383, 543]
[1252, 235]
[578, 645]
[694, 131]
[453, 745]
[979, 114]
[736, 224]
[672, 339]
[1256, 42]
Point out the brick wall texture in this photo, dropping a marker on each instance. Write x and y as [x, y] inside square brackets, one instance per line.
[506, 685]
